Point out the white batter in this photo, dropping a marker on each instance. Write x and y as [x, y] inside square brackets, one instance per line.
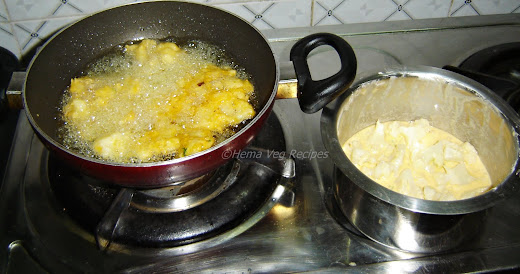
[418, 160]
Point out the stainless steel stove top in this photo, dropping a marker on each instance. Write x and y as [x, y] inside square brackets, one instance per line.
[301, 230]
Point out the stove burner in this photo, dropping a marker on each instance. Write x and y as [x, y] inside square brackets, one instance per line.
[502, 62]
[189, 212]
[188, 194]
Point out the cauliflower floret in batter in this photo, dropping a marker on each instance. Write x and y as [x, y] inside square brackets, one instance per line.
[418, 160]
[167, 103]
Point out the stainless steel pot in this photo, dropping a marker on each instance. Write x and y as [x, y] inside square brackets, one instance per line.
[451, 102]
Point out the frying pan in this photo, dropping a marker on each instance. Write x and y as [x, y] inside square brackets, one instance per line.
[73, 48]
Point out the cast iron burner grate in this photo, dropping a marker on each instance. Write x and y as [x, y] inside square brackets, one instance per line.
[498, 68]
[173, 216]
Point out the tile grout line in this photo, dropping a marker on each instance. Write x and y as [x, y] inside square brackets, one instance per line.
[311, 22]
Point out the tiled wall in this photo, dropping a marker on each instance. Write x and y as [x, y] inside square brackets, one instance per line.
[24, 23]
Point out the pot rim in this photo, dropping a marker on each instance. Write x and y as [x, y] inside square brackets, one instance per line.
[258, 116]
[329, 133]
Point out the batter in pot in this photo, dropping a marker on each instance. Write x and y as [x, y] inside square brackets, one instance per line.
[418, 160]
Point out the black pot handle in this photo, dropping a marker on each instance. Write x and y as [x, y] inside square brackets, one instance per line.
[314, 95]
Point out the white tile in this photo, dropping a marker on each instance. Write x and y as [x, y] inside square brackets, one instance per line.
[419, 9]
[273, 15]
[8, 40]
[27, 34]
[216, 2]
[66, 9]
[324, 20]
[54, 25]
[290, 14]
[398, 14]
[21, 10]
[463, 8]
[32, 33]
[496, 6]
[327, 12]
[4, 16]
[99, 5]
[31, 9]
[243, 12]
[93, 6]
[353, 11]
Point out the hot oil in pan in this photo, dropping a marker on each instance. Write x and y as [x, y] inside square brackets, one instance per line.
[115, 118]
[219, 56]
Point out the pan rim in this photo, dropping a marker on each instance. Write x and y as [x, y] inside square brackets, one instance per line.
[263, 111]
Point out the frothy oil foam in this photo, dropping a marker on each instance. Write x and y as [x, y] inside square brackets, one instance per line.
[153, 101]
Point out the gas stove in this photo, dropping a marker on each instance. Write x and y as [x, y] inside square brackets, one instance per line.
[261, 215]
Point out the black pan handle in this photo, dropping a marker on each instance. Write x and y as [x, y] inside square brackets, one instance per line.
[314, 95]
